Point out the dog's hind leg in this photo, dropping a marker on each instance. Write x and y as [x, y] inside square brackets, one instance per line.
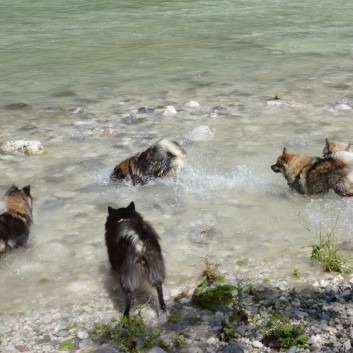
[160, 297]
[128, 300]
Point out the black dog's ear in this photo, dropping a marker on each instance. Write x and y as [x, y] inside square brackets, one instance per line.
[27, 190]
[131, 206]
[110, 210]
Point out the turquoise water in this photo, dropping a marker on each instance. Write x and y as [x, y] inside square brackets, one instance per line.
[71, 69]
[135, 47]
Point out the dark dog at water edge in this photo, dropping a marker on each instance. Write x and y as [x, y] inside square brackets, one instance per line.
[16, 218]
[134, 252]
[163, 159]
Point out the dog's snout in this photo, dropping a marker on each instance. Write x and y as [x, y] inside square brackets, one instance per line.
[275, 168]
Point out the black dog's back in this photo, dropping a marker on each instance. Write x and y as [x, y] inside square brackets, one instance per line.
[134, 252]
[13, 231]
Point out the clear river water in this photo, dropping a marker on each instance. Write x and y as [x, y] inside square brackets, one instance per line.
[74, 75]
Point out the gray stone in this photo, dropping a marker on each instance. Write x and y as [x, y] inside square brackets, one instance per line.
[200, 133]
[347, 346]
[62, 333]
[234, 348]
[156, 350]
[108, 350]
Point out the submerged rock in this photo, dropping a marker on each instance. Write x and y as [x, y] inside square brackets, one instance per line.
[15, 106]
[192, 104]
[200, 133]
[21, 146]
[169, 111]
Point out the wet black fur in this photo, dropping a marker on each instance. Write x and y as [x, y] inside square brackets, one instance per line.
[134, 252]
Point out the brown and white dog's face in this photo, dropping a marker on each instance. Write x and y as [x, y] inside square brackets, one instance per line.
[291, 164]
[121, 171]
[279, 166]
[19, 200]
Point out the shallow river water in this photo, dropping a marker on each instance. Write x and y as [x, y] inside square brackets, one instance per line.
[71, 70]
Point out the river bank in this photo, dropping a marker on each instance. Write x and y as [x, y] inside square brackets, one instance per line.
[324, 309]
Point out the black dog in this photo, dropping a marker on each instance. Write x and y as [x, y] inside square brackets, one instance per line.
[16, 219]
[134, 252]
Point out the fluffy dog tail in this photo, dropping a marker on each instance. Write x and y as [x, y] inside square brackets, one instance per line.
[173, 150]
[344, 174]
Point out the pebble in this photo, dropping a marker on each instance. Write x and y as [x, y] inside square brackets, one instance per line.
[192, 104]
[169, 111]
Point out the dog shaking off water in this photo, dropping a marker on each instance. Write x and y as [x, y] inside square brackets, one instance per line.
[134, 252]
[16, 219]
[314, 175]
[163, 159]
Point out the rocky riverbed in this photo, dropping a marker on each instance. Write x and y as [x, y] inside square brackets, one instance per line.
[324, 310]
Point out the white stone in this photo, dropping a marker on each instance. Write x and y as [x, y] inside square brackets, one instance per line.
[257, 344]
[316, 340]
[26, 147]
[192, 104]
[211, 340]
[169, 111]
[347, 346]
[201, 133]
[82, 334]
[343, 106]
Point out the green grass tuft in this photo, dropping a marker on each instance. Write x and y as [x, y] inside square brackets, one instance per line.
[327, 251]
[279, 332]
[66, 345]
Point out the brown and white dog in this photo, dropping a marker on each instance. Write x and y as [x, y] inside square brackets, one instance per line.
[134, 252]
[314, 175]
[163, 159]
[16, 219]
[334, 146]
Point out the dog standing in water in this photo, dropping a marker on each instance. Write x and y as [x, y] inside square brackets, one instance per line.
[134, 252]
[16, 219]
[163, 159]
[314, 175]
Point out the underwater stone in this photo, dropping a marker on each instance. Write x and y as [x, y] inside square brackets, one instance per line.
[192, 104]
[169, 111]
[26, 147]
[201, 133]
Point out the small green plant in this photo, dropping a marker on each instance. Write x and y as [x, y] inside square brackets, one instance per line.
[174, 317]
[228, 331]
[131, 333]
[279, 332]
[181, 295]
[211, 271]
[327, 251]
[180, 341]
[296, 272]
[215, 298]
[66, 345]
[72, 326]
